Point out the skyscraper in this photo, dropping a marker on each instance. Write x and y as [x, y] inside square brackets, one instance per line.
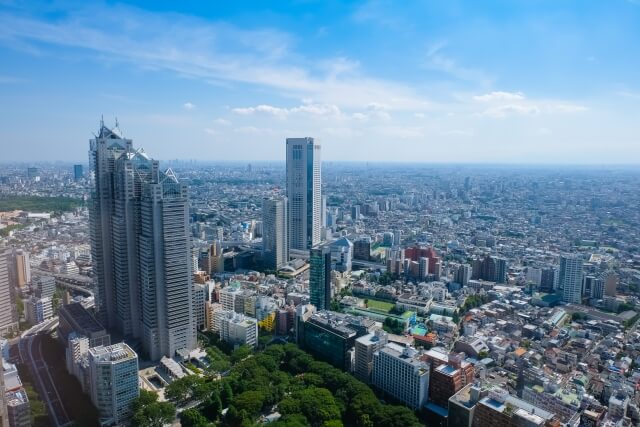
[320, 277]
[275, 242]
[21, 268]
[140, 245]
[571, 278]
[304, 192]
[8, 314]
[78, 172]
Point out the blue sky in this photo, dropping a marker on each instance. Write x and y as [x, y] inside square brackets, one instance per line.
[421, 81]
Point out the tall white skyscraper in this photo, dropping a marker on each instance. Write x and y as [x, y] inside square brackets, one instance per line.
[275, 241]
[8, 314]
[140, 244]
[304, 181]
[114, 381]
[571, 278]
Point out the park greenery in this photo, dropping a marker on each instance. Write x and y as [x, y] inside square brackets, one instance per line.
[149, 412]
[283, 379]
[56, 205]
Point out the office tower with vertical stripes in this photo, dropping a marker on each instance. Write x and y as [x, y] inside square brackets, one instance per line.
[275, 242]
[8, 313]
[304, 186]
[140, 245]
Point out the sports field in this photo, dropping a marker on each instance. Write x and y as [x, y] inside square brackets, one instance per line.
[380, 305]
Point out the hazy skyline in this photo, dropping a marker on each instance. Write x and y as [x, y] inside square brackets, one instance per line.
[460, 81]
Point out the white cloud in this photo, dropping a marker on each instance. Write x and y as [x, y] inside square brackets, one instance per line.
[438, 61]
[317, 110]
[211, 51]
[188, 106]
[511, 109]
[504, 104]
[222, 122]
[499, 96]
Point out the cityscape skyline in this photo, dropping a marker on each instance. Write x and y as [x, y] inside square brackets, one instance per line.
[546, 83]
[370, 213]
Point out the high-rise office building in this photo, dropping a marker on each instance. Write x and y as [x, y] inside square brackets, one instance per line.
[275, 241]
[140, 243]
[549, 279]
[8, 313]
[355, 212]
[304, 181]
[570, 280]
[320, 277]
[21, 268]
[362, 248]
[114, 381]
[463, 274]
[78, 172]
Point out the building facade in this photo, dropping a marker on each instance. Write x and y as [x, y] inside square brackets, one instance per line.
[114, 381]
[8, 313]
[140, 247]
[399, 372]
[320, 277]
[570, 279]
[304, 181]
[275, 240]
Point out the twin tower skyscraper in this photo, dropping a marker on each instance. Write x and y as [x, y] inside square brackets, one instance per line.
[141, 240]
[140, 245]
[295, 221]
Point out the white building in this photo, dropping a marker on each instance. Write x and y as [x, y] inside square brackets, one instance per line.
[366, 346]
[304, 178]
[238, 329]
[38, 310]
[342, 254]
[398, 371]
[114, 381]
[571, 278]
[275, 240]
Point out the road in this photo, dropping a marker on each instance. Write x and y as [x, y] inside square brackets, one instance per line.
[30, 348]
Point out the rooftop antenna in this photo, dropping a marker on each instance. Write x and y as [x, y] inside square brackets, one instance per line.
[117, 125]
[102, 120]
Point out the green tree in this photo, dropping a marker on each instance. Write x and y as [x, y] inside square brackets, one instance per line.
[241, 353]
[396, 416]
[144, 398]
[318, 405]
[212, 408]
[226, 394]
[192, 418]
[181, 389]
[250, 401]
[155, 414]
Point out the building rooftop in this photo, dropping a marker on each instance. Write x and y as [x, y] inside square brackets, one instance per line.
[113, 353]
[82, 317]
